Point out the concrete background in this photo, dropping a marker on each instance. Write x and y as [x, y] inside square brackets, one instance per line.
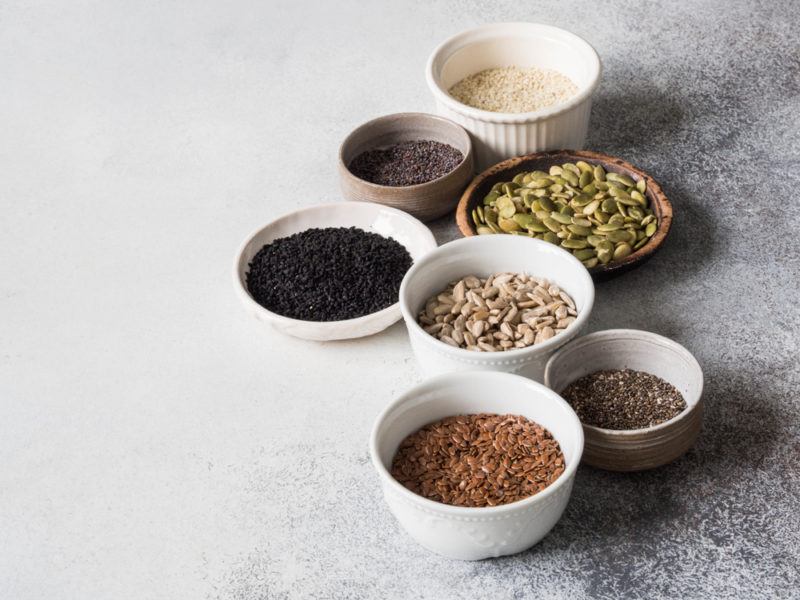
[157, 443]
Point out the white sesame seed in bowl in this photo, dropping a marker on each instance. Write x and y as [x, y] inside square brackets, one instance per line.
[534, 86]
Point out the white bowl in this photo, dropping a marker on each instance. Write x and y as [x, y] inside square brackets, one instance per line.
[502, 135]
[468, 533]
[482, 256]
[388, 222]
[634, 449]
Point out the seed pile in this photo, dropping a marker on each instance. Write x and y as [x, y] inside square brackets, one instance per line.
[623, 399]
[407, 163]
[478, 460]
[599, 216]
[502, 312]
[513, 89]
[328, 274]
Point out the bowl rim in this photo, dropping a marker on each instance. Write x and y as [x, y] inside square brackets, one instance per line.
[244, 294]
[643, 253]
[462, 39]
[452, 380]
[345, 169]
[517, 353]
[638, 335]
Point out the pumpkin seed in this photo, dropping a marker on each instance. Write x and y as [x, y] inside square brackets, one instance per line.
[622, 251]
[590, 263]
[574, 244]
[598, 215]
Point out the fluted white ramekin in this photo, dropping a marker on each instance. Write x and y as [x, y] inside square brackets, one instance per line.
[462, 532]
[498, 136]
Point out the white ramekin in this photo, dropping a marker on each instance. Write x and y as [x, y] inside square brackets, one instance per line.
[383, 220]
[498, 136]
[482, 256]
[475, 533]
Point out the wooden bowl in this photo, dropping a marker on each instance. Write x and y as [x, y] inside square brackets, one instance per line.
[633, 449]
[506, 170]
[426, 201]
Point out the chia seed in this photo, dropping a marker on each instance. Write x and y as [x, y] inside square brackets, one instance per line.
[328, 274]
[623, 399]
[407, 163]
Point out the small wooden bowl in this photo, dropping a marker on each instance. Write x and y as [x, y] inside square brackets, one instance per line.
[633, 449]
[426, 201]
[506, 170]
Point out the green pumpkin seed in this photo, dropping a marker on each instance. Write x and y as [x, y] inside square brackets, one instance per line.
[585, 179]
[583, 166]
[524, 220]
[608, 227]
[622, 235]
[540, 183]
[508, 188]
[476, 218]
[595, 240]
[490, 198]
[537, 226]
[494, 226]
[590, 263]
[574, 244]
[622, 251]
[571, 167]
[547, 204]
[591, 207]
[518, 178]
[584, 254]
[570, 177]
[616, 219]
[650, 229]
[609, 206]
[563, 219]
[641, 185]
[580, 230]
[508, 225]
[589, 190]
[556, 170]
[623, 179]
[490, 215]
[599, 173]
[576, 220]
[648, 219]
[640, 243]
[551, 238]
[483, 230]
[506, 207]
[638, 197]
[552, 224]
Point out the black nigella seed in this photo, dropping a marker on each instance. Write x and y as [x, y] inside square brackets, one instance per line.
[328, 274]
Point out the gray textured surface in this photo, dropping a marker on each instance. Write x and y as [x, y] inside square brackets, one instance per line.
[157, 444]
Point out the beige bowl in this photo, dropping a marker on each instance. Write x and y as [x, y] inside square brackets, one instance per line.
[634, 449]
[425, 201]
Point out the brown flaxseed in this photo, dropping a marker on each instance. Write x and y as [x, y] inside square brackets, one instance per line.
[478, 460]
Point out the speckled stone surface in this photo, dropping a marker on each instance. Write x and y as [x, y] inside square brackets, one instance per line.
[158, 443]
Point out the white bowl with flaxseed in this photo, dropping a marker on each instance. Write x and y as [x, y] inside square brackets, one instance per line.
[482, 256]
[474, 533]
[502, 135]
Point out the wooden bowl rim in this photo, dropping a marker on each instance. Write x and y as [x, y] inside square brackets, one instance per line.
[654, 189]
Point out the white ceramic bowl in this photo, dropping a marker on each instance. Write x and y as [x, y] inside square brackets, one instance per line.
[388, 222]
[474, 533]
[499, 136]
[634, 449]
[482, 256]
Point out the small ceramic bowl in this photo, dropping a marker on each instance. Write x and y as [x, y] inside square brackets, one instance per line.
[506, 170]
[425, 201]
[482, 256]
[383, 220]
[635, 449]
[501, 135]
[471, 533]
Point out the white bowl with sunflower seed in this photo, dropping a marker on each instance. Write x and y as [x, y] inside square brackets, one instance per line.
[494, 303]
[475, 532]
